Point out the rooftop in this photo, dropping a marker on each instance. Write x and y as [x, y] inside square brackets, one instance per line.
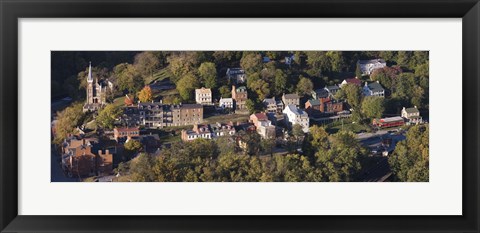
[411, 110]
[291, 96]
[375, 87]
[295, 110]
[314, 102]
[371, 61]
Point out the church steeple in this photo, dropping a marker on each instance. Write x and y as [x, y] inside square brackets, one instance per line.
[90, 78]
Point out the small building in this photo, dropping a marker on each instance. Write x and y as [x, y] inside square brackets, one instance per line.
[263, 125]
[273, 106]
[332, 106]
[354, 81]
[293, 115]
[368, 66]
[236, 75]
[226, 103]
[270, 105]
[388, 122]
[312, 107]
[203, 96]
[198, 131]
[412, 115]
[320, 93]
[240, 95]
[221, 129]
[158, 115]
[332, 90]
[291, 99]
[125, 133]
[373, 89]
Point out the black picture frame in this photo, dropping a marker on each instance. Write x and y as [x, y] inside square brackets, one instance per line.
[11, 11]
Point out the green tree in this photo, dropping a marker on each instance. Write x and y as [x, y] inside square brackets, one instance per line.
[304, 86]
[358, 71]
[225, 91]
[251, 63]
[186, 86]
[67, 122]
[280, 82]
[128, 78]
[373, 106]
[208, 73]
[353, 94]
[107, 116]
[146, 63]
[410, 159]
[141, 168]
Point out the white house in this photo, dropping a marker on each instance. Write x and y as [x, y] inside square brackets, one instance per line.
[293, 115]
[203, 96]
[373, 89]
[226, 103]
[412, 115]
[368, 66]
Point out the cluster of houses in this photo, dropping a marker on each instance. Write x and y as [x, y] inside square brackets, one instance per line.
[88, 156]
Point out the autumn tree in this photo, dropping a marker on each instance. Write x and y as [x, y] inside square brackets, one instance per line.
[182, 63]
[145, 95]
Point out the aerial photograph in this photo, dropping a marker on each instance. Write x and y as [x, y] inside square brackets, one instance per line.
[239, 116]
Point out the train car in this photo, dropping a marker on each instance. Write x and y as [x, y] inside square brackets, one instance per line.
[388, 122]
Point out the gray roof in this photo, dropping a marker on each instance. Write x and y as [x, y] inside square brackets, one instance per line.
[331, 88]
[295, 110]
[411, 110]
[291, 96]
[375, 87]
[321, 93]
[269, 101]
[314, 102]
[190, 106]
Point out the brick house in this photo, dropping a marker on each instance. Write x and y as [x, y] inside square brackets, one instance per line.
[125, 133]
[240, 96]
[78, 160]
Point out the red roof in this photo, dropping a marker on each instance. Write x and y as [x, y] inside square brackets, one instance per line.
[261, 116]
[355, 81]
[127, 129]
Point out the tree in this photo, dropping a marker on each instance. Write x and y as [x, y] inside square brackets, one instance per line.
[186, 86]
[304, 86]
[146, 63]
[225, 91]
[280, 82]
[67, 122]
[208, 73]
[182, 63]
[358, 71]
[410, 159]
[128, 78]
[353, 94]
[373, 106]
[145, 95]
[141, 168]
[251, 62]
[297, 130]
[250, 104]
[133, 146]
[260, 87]
[337, 61]
[107, 116]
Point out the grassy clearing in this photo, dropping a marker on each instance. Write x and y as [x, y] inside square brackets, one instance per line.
[119, 102]
[159, 76]
[347, 125]
[226, 118]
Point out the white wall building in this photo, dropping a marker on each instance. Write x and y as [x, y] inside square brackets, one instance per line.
[293, 115]
[368, 66]
[203, 96]
[226, 103]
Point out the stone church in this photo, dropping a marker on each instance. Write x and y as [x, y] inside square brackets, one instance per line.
[96, 92]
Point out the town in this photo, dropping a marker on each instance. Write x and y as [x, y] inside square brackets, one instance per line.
[229, 116]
